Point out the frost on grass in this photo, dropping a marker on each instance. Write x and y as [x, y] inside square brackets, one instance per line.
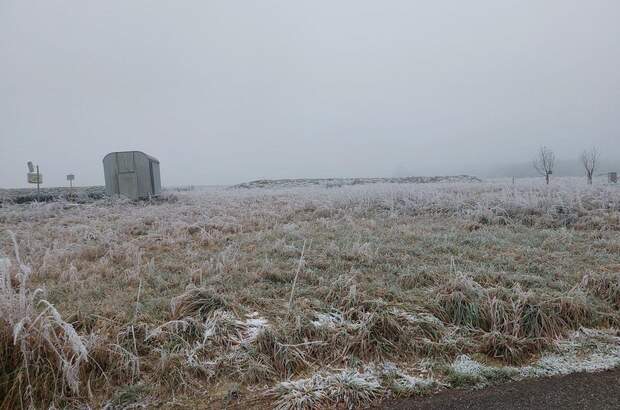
[380, 259]
[211, 339]
[351, 388]
[402, 384]
[253, 325]
[466, 372]
[348, 387]
[329, 320]
[556, 364]
[41, 350]
[586, 350]
[466, 366]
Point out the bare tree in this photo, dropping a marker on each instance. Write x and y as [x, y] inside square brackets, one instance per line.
[544, 163]
[589, 159]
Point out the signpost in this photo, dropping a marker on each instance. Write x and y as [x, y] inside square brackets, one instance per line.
[612, 177]
[70, 178]
[35, 177]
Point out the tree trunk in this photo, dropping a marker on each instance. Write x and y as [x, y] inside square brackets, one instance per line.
[547, 178]
[589, 179]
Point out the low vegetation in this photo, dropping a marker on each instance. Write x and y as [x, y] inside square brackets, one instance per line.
[340, 182]
[299, 297]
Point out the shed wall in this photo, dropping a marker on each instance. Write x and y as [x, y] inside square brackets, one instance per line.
[156, 178]
[143, 173]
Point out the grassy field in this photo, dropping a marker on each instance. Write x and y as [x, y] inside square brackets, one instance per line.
[306, 297]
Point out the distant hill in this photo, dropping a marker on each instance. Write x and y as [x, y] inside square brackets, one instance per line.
[336, 182]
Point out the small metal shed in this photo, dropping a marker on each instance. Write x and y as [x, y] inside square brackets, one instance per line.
[133, 174]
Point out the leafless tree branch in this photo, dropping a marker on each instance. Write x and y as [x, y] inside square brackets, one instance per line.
[545, 162]
[589, 159]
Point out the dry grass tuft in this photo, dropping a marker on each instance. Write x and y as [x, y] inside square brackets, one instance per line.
[460, 301]
[605, 285]
[285, 358]
[511, 349]
[196, 301]
[512, 324]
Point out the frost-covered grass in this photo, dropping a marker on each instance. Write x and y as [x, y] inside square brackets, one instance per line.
[585, 350]
[349, 387]
[205, 297]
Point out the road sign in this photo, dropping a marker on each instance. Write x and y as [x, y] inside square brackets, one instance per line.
[35, 178]
[70, 178]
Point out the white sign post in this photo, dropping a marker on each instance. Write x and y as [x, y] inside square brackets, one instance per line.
[35, 177]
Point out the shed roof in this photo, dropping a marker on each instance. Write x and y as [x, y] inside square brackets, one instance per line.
[139, 152]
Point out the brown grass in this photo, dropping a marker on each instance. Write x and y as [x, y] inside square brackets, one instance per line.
[144, 303]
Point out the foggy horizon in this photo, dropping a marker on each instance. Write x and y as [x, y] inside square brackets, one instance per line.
[223, 93]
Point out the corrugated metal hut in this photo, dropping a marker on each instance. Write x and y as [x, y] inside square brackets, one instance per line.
[133, 174]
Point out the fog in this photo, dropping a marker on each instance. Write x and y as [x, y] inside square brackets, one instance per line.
[223, 92]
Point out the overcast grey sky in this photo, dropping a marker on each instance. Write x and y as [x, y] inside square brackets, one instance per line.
[227, 91]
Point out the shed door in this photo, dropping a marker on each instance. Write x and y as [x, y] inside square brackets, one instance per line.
[128, 184]
[127, 177]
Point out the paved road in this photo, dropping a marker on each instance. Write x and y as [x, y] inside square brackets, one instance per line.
[575, 391]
